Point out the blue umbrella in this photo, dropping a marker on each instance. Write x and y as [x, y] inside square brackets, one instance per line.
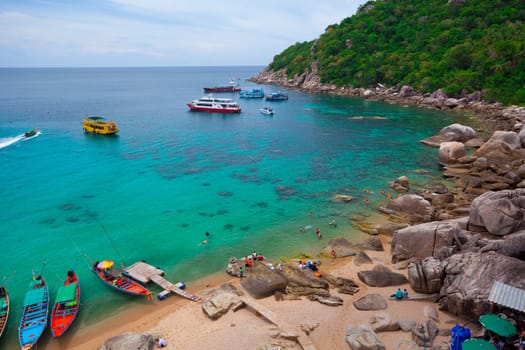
[498, 325]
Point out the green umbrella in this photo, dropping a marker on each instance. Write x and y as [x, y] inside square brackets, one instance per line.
[498, 325]
[477, 344]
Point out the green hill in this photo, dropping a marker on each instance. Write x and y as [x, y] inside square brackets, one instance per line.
[458, 45]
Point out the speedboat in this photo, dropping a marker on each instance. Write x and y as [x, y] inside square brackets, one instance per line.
[230, 87]
[214, 105]
[99, 125]
[276, 96]
[267, 111]
[254, 93]
[31, 132]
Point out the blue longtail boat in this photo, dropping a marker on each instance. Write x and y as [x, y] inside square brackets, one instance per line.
[35, 313]
[4, 308]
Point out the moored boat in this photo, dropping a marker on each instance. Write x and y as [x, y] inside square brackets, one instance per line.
[267, 111]
[254, 93]
[117, 279]
[4, 308]
[99, 125]
[67, 303]
[230, 87]
[214, 105]
[35, 313]
[276, 96]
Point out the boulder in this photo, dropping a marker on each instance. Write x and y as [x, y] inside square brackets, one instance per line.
[454, 132]
[400, 184]
[382, 278]
[407, 325]
[513, 245]
[431, 313]
[382, 322]
[509, 137]
[363, 338]
[362, 258]
[327, 300]
[521, 136]
[262, 281]
[469, 278]
[371, 302]
[341, 246]
[425, 332]
[220, 300]
[136, 341]
[345, 285]
[372, 243]
[450, 152]
[412, 206]
[499, 213]
[304, 282]
[423, 240]
[425, 275]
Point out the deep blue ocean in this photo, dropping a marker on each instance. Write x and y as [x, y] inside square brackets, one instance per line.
[68, 198]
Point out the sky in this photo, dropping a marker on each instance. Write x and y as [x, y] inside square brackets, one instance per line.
[150, 33]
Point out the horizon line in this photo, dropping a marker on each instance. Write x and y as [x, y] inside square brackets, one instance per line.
[66, 67]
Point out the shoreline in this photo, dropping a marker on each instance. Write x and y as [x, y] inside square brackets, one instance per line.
[185, 326]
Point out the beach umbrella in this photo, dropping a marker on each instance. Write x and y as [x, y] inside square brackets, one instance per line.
[477, 344]
[498, 325]
[105, 264]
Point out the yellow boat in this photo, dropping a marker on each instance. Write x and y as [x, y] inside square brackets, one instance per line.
[99, 125]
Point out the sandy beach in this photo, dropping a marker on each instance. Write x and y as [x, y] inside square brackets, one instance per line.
[185, 326]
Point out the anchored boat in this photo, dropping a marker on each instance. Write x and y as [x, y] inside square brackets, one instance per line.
[67, 302]
[34, 315]
[99, 125]
[214, 105]
[117, 279]
[230, 87]
[4, 308]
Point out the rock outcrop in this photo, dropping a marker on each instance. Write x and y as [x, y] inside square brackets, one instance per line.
[136, 341]
[425, 276]
[363, 338]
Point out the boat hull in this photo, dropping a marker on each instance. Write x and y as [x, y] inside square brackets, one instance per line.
[97, 125]
[195, 108]
[34, 315]
[221, 89]
[122, 283]
[66, 311]
[4, 308]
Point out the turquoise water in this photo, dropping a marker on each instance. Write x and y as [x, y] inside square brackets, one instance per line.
[69, 198]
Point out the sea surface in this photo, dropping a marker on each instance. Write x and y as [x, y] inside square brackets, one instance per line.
[68, 198]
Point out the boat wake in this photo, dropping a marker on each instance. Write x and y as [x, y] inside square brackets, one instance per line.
[8, 141]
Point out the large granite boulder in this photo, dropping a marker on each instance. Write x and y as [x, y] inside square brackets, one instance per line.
[371, 302]
[425, 332]
[126, 341]
[413, 207]
[363, 338]
[262, 281]
[469, 278]
[219, 301]
[499, 213]
[425, 275]
[453, 132]
[421, 241]
[341, 246]
[382, 278]
[450, 152]
[509, 137]
[304, 282]
[382, 322]
[513, 245]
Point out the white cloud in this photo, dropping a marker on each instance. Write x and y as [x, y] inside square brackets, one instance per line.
[158, 32]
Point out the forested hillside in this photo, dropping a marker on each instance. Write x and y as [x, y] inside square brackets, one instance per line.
[458, 45]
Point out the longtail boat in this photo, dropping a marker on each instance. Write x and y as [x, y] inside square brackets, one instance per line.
[4, 308]
[66, 305]
[34, 315]
[117, 279]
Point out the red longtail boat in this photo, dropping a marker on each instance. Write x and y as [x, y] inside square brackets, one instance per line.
[117, 279]
[66, 305]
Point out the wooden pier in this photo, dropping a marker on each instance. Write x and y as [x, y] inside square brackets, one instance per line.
[145, 273]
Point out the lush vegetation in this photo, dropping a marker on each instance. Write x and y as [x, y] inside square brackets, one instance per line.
[460, 46]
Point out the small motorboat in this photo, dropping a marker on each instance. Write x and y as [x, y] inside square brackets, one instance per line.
[276, 96]
[267, 111]
[31, 133]
[254, 93]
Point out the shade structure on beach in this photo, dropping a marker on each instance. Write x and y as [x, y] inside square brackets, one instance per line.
[498, 325]
[477, 344]
[105, 264]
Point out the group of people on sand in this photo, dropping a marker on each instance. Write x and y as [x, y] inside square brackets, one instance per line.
[400, 294]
